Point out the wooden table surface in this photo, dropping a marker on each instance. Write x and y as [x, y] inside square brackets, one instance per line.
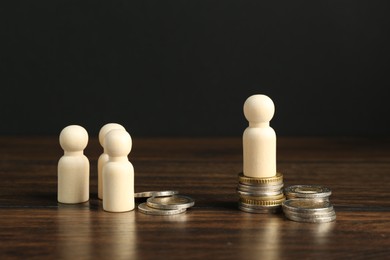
[34, 225]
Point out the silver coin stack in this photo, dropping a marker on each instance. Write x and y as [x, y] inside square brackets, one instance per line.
[308, 203]
[164, 203]
[260, 195]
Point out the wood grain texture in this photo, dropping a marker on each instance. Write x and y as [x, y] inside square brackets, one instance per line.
[34, 225]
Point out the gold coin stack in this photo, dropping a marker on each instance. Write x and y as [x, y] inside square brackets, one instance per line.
[260, 195]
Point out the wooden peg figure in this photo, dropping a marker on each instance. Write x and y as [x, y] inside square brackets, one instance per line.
[73, 166]
[259, 139]
[118, 173]
[103, 158]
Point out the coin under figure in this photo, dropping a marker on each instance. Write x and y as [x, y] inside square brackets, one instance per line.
[259, 139]
[103, 158]
[73, 166]
[118, 173]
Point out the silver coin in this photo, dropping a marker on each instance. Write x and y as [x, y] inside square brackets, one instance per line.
[307, 191]
[308, 218]
[259, 194]
[309, 215]
[262, 210]
[250, 188]
[144, 208]
[312, 220]
[148, 194]
[172, 202]
[307, 206]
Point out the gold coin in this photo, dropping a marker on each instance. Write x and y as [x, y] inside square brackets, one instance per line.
[307, 206]
[143, 208]
[278, 178]
[170, 202]
[255, 207]
[263, 202]
[262, 198]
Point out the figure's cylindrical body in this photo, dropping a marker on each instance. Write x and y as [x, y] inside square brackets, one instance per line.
[259, 147]
[73, 179]
[118, 186]
[103, 159]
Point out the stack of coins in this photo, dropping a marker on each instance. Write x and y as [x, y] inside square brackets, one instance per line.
[308, 203]
[164, 203]
[260, 195]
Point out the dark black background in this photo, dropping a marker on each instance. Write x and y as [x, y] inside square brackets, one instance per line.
[185, 68]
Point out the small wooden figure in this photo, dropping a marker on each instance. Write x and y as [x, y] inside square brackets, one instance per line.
[118, 173]
[103, 158]
[73, 166]
[259, 139]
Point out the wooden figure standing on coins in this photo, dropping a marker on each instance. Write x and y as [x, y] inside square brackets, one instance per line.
[259, 139]
[73, 166]
[118, 173]
[103, 158]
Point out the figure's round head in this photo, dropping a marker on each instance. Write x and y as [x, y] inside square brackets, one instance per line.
[259, 109]
[118, 143]
[107, 128]
[73, 138]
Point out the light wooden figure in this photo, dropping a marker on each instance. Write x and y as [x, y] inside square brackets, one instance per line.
[259, 139]
[118, 173]
[103, 158]
[73, 166]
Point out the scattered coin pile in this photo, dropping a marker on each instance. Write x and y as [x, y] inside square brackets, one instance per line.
[164, 203]
[308, 203]
[260, 195]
